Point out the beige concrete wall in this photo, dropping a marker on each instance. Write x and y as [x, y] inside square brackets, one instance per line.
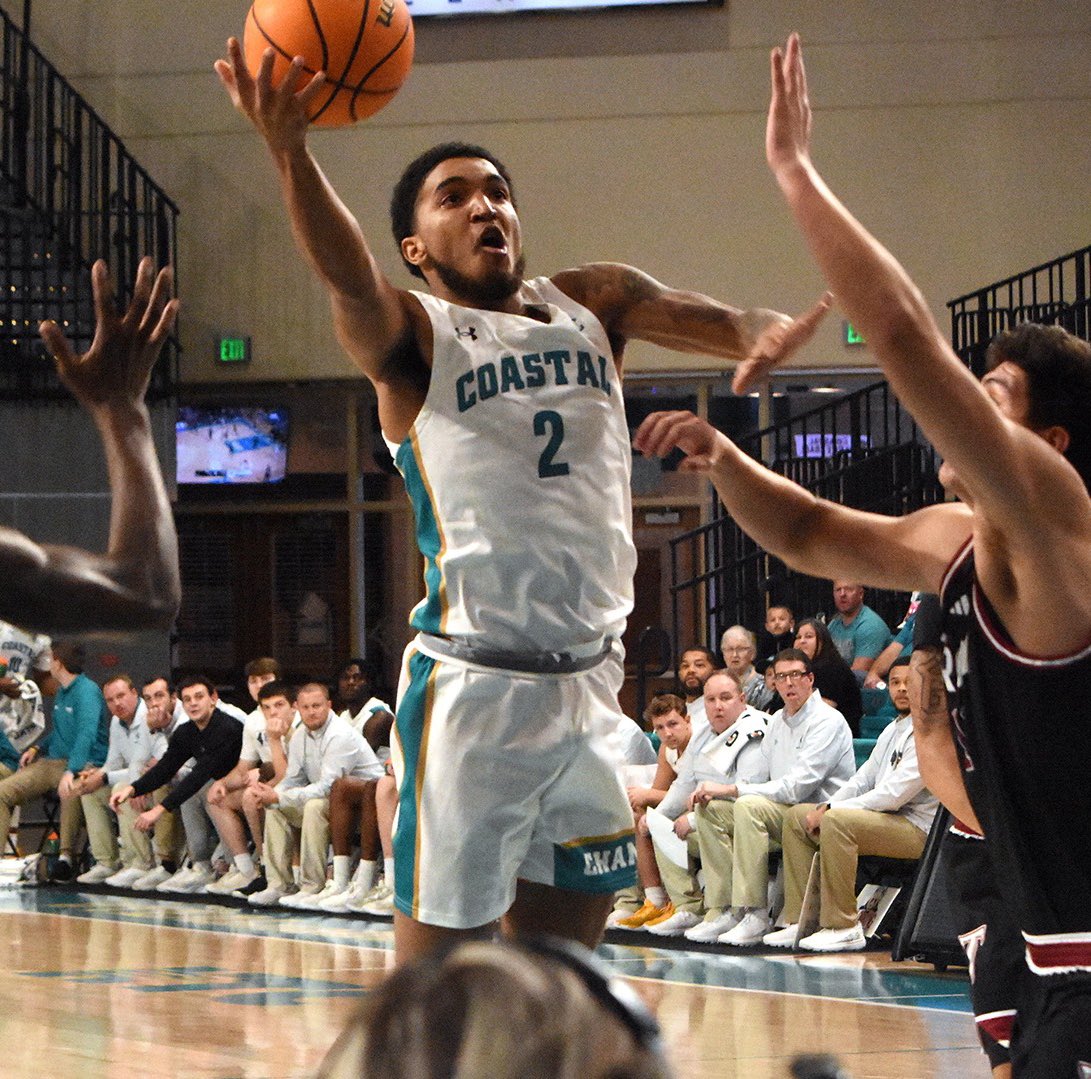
[960, 132]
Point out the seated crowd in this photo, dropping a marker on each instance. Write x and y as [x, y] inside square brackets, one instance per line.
[293, 803]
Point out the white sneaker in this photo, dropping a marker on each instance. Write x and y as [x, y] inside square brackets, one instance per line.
[151, 880]
[199, 878]
[232, 880]
[179, 882]
[378, 902]
[835, 940]
[676, 924]
[711, 929]
[126, 878]
[97, 874]
[751, 930]
[270, 897]
[782, 938]
[301, 896]
[317, 900]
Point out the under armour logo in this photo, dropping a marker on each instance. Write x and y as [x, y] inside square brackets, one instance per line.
[470, 332]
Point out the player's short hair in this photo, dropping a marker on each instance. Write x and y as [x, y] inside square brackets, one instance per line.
[276, 688]
[712, 657]
[403, 202]
[71, 655]
[120, 677]
[895, 665]
[662, 704]
[780, 607]
[313, 685]
[197, 680]
[1058, 370]
[158, 678]
[723, 672]
[263, 665]
[794, 655]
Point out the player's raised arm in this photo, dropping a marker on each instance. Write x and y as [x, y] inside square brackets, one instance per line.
[632, 305]
[1003, 467]
[135, 584]
[810, 534]
[368, 313]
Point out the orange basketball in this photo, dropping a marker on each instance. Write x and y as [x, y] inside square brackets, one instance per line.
[365, 47]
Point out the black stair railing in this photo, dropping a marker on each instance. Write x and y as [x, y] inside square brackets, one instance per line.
[861, 450]
[70, 193]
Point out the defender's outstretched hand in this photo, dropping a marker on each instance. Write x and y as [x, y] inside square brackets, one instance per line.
[281, 114]
[788, 128]
[116, 368]
[777, 343]
[662, 432]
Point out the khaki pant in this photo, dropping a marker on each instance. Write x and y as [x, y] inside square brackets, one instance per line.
[32, 782]
[845, 835]
[681, 884]
[735, 840]
[136, 846]
[100, 826]
[287, 830]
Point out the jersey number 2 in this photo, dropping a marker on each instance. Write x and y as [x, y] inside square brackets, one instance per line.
[548, 422]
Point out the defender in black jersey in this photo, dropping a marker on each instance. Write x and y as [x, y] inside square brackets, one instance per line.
[1017, 453]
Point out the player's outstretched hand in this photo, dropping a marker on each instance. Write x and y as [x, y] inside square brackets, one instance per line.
[662, 432]
[115, 370]
[788, 128]
[777, 343]
[281, 113]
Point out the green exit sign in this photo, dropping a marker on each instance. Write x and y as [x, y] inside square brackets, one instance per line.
[233, 350]
[852, 335]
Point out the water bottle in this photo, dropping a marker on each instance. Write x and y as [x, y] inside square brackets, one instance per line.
[51, 850]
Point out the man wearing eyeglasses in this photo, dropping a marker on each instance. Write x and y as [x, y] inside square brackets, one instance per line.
[810, 755]
[884, 809]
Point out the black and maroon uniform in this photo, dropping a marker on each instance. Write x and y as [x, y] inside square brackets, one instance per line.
[1023, 726]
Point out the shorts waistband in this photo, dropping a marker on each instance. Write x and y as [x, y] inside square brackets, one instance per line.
[522, 662]
[1059, 953]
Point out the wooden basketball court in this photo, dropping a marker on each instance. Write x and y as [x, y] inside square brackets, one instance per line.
[98, 985]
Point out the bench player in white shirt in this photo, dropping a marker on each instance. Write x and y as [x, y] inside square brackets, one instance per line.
[501, 400]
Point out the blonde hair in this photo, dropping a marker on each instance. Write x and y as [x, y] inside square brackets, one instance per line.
[487, 1011]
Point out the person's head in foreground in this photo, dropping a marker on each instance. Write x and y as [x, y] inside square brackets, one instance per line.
[540, 1009]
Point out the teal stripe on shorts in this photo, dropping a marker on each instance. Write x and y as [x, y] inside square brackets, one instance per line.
[596, 864]
[412, 724]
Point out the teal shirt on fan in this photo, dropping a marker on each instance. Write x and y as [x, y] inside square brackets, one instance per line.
[81, 725]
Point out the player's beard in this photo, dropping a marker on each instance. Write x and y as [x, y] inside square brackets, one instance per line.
[482, 292]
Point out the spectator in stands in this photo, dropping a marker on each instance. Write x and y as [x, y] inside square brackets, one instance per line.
[24, 671]
[729, 750]
[9, 757]
[539, 1008]
[297, 808]
[163, 714]
[739, 648]
[883, 810]
[696, 664]
[832, 677]
[214, 740]
[810, 756]
[633, 908]
[859, 633]
[900, 648]
[369, 714]
[95, 785]
[263, 758]
[80, 737]
[779, 633]
[260, 672]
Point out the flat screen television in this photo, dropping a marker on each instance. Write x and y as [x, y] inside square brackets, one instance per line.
[420, 8]
[231, 444]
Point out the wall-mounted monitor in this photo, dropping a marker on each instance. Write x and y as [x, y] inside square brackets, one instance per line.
[231, 444]
[422, 8]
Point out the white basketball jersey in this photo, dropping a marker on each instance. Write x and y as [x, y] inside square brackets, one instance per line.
[518, 468]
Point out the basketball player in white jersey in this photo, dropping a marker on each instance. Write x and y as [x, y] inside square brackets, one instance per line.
[135, 584]
[1011, 563]
[501, 402]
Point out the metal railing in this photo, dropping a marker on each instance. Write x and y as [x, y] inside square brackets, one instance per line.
[1055, 292]
[70, 193]
[861, 450]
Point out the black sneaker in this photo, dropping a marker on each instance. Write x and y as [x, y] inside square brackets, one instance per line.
[63, 870]
[258, 884]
